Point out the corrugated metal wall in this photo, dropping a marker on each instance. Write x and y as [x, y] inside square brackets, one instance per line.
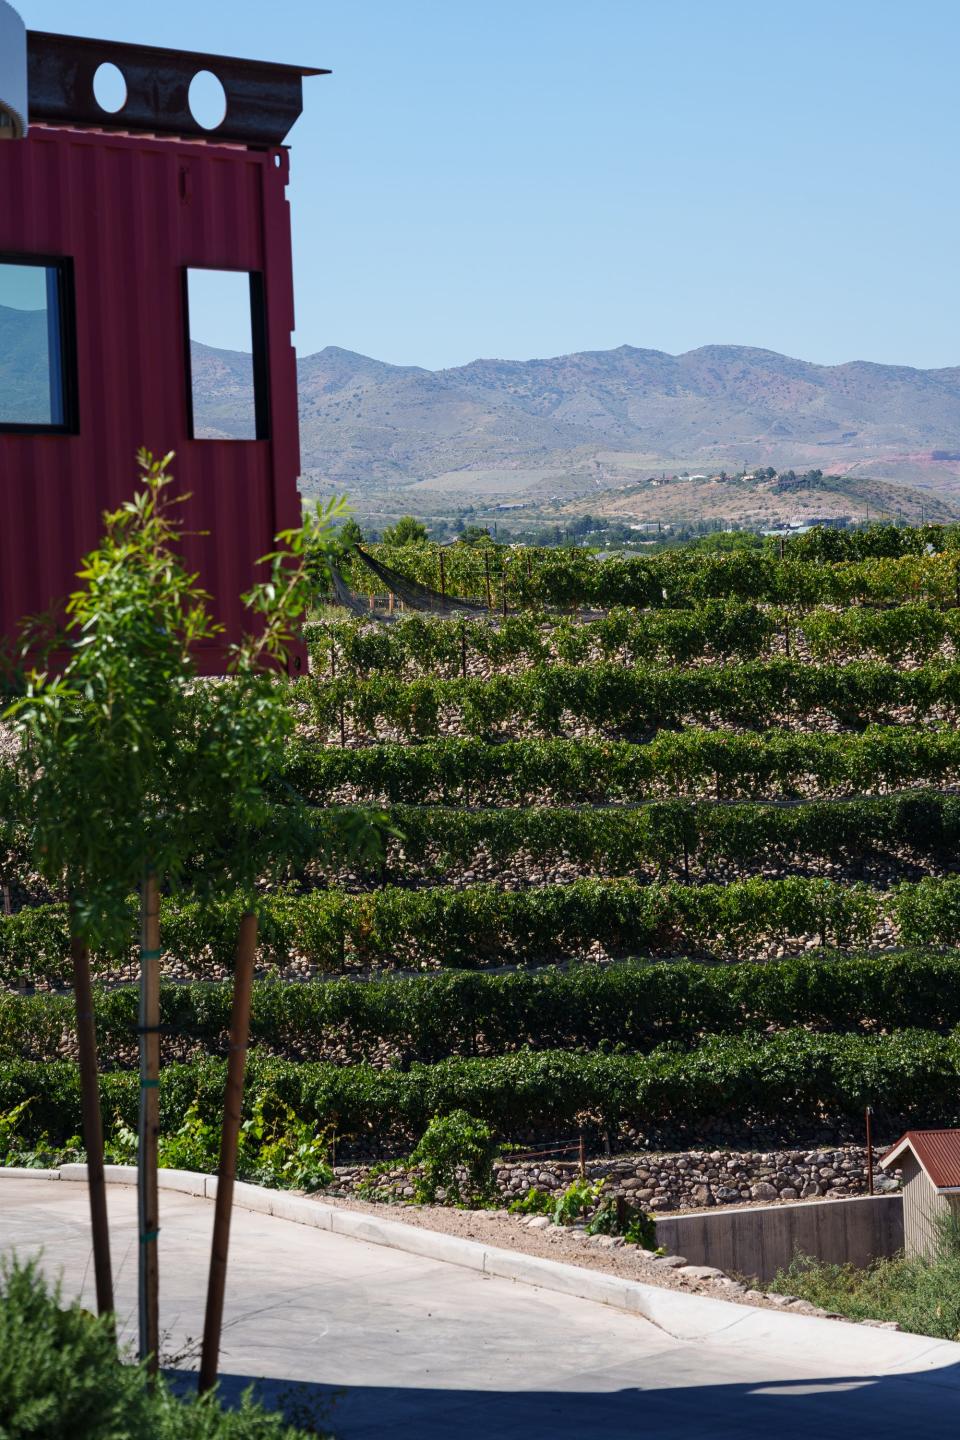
[922, 1206]
[132, 212]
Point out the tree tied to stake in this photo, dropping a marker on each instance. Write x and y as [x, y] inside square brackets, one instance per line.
[131, 774]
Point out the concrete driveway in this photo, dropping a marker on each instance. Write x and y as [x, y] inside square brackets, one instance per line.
[388, 1343]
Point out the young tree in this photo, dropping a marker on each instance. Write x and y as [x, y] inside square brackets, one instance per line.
[407, 531]
[134, 774]
[98, 764]
[474, 535]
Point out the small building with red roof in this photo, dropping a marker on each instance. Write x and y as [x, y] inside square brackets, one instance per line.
[930, 1163]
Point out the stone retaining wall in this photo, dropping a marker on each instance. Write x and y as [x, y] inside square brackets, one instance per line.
[685, 1180]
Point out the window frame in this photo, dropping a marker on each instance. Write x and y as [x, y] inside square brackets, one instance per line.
[62, 328]
[260, 356]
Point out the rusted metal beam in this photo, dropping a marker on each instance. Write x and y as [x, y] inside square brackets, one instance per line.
[263, 100]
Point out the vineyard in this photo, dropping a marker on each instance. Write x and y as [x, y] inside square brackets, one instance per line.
[669, 856]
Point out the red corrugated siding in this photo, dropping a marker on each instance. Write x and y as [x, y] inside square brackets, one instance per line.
[938, 1151]
[118, 206]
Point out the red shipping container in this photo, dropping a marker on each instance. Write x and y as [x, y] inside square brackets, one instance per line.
[120, 218]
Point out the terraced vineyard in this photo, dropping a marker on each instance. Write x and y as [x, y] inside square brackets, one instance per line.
[671, 859]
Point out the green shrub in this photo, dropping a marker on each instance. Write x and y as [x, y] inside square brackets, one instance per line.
[668, 835]
[609, 1215]
[275, 1148]
[677, 578]
[60, 1376]
[920, 1294]
[535, 1202]
[579, 1198]
[456, 1154]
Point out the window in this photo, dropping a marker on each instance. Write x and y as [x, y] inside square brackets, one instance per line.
[226, 355]
[37, 354]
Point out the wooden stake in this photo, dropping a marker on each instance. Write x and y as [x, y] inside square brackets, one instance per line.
[443, 577]
[92, 1124]
[147, 1199]
[486, 576]
[229, 1137]
[503, 587]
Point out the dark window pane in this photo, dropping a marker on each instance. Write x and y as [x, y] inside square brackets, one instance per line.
[31, 346]
[227, 389]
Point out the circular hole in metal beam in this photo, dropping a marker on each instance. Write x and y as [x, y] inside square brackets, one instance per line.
[110, 88]
[208, 100]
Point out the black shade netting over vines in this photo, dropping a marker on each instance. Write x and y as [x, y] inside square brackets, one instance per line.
[349, 599]
[417, 596]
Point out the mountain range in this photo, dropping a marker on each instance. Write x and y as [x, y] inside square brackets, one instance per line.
[561, 430]
[363, 418]
[598, 428]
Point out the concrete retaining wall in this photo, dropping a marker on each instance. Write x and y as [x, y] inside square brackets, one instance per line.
[759, 1241]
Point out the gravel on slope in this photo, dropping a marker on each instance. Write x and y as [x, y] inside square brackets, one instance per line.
[571, 1246]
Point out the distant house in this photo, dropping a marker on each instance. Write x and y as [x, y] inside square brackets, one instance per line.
[930, 1162]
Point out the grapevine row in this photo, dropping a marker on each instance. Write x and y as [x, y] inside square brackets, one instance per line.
[675, 833]
[726, 629]
[637, 699]
[672, 579]
[795, 1081]
[482, 925]
[873, 541]
[637, 1006]
[588, 771]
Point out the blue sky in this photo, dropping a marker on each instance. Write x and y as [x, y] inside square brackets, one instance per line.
[528, 177]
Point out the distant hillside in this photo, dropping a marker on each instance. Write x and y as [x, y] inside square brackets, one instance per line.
[366, 421]
[499, 431]
[593, 429]
[24, 374]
